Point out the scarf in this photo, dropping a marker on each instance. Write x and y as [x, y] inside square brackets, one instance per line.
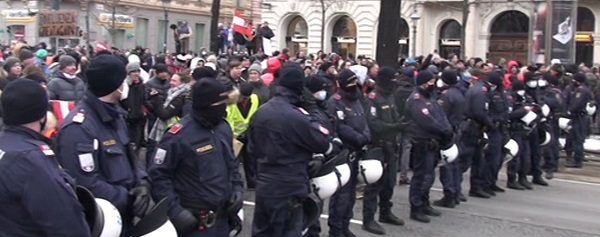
[160, 127]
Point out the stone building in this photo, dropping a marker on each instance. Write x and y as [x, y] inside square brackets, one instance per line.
[495, 28]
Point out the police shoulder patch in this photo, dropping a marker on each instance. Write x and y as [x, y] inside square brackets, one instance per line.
[302, 110]
[160, 155]
[79, 117]
[417, 96]
[86, 162]
[445, 91]
[175, 128]
[46, 150]
[323, 130]
[484, 89]
[337, 97]
[372, 95]
[425, 111]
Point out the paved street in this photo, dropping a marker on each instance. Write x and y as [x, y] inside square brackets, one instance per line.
[566, 208]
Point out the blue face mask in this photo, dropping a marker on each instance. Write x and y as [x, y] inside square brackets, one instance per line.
[320, 95]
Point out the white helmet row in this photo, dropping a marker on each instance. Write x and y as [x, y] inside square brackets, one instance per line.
[564, 124]
[545, 137]
[103, 217]
[545, 110]
[529, 117]
[449, 155]
[370, 168]
[334, 174]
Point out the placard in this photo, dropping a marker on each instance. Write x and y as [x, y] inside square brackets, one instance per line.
[58, 24]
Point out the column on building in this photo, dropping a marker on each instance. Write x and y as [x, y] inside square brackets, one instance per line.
[471, 29]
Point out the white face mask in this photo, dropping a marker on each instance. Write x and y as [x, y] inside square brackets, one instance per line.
[493, 87]
[521, 92]
[320, 95]
[125, 91]
[542, 83]
[439, 83]
[532, 83]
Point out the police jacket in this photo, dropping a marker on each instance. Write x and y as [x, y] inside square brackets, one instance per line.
[498, 107]
[382, 116]
[37, 197]
[579, 99]
[516, 110]
[194, 167]
[63, 88]
[352, 127]
[92, 145]
[429, 119]
[283, 137]
[452, 102]
[477, 103]
[554, 99]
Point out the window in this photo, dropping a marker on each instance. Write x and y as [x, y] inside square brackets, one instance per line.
[119, 38]
[16, 32]
[161, 35]
[141, 32]
[199, 37]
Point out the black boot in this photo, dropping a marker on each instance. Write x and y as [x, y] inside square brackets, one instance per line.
[497, 189]
[539, 181]
[391, 219]
[370, 225]
[430, 211]
[489, 191]
[446, 201]
[523, 181]
[417, 214]
[514, 185]
[549, 174]
[348, 233]
[478, 193]
[573, 164]
[461, 197]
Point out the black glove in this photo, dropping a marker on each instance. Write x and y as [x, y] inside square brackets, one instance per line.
[185, 222]
[142, 200]
[243, 138]
[315, 164]
[235, 203]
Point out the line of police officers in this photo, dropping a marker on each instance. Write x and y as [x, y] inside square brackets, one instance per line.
[195, 172]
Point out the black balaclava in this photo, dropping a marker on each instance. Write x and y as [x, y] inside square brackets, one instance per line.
[209, 98]
[386, 80]
[348, 85]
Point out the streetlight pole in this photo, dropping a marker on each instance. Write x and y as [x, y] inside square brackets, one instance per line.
[415, 18]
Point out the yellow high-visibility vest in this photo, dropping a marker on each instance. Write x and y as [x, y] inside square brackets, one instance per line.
[236, 120]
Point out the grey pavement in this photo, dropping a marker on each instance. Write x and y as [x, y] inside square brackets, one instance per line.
[565, 208]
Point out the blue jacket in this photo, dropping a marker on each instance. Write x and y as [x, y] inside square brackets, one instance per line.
[195, 168]
[477, 103]
[429, 119]
[452, 102]
[352, 127]
[283, 138]
[92, 146]
[37, 197]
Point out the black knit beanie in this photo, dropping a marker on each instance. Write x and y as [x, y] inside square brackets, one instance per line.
[423, 77]
[315, 83]
[449, 77]
[292, 77]
[23, 101]
[206, 92]
[105, 74]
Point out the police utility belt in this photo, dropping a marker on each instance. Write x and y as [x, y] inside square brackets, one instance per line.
[206, 217]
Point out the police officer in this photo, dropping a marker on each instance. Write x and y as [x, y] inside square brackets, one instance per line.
[452, 102]
[534, 91]
[578, 100]
[283, 138]
[37, 197]
[195, 169]
[93, 144]
[556, 102]
[472, 142]
[519, 104]
[384, 123]
[498, 113]
[429, 133]
[353, 130]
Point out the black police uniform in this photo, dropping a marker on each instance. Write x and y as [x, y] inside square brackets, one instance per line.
[384, 124]
[429, 132]
[353, 130]
[519, 165]
[37, 197]
[555, 101]
[452, 102]
[577, 109]
[498, 113]
[283, 139]
[471, 145]
[93, 146]
[194, 168]
[534, 136]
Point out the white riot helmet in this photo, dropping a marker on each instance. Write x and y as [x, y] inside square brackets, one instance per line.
[370, 168]
[236, 222]
[564, 124]
[545, 137]
[590, 108]
[486, 139]
[545, 110]
[332, 175]
[102, 217]
[529, 118]
[449, 155]
[512, 149]
[343, 172]
[325, 185]
[155, 223]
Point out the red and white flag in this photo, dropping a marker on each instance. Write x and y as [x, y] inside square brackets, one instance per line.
[241, 25]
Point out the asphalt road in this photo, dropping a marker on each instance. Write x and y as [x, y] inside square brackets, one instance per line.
[565, 208]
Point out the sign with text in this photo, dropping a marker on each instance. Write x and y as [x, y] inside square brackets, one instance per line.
[120, 21]
[18, 16]
[58, 24]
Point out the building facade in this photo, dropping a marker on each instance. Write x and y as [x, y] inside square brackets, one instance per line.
[494, 29]
[137, 22]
